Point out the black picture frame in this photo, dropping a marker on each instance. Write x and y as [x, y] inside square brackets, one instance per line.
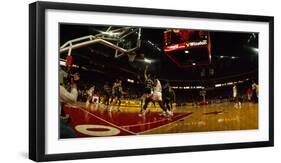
[37, 80]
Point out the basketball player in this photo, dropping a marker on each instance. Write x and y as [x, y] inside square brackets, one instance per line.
[117, 92]
[249, 94]
[148, 87]
[235, 97]
[168, 97]
[107, 93]
[254, 88]
[155, 97]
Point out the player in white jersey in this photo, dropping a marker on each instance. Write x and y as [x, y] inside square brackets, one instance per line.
[235, 97]
[155, 97]
[157, 91]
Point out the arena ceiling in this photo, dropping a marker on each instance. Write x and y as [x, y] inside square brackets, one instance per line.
[233, 54]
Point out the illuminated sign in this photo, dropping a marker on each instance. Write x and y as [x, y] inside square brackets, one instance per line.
[186, 45]
[200, 43]
[187, 48]
[180, 46]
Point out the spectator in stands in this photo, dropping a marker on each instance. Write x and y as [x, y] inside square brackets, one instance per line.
[90, 93]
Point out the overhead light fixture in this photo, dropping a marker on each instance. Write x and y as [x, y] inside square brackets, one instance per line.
[256, 50]
[147, 60]
[253, 49]
[110, 34]
[153, 45]
[218, 85]
[131, 81]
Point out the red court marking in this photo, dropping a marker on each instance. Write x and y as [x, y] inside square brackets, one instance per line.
[80, 117]
[129, 123]
[98, 129]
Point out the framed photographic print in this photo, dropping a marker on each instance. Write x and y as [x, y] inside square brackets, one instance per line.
[108, 81]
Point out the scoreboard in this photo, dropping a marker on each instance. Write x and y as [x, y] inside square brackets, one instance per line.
[188, 47]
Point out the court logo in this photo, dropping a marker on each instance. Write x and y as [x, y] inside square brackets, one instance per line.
[97, 130]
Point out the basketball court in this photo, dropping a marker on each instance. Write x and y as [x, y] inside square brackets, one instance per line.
[97, 120]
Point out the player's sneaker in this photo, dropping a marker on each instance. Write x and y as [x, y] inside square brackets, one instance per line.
[239, 105]
[142, 113]
[169, 118]
[163, 114]
[170, 113]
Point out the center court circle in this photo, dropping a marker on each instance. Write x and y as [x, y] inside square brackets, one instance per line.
[97, 130]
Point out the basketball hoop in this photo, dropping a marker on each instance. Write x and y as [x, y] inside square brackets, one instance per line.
[131, 57]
